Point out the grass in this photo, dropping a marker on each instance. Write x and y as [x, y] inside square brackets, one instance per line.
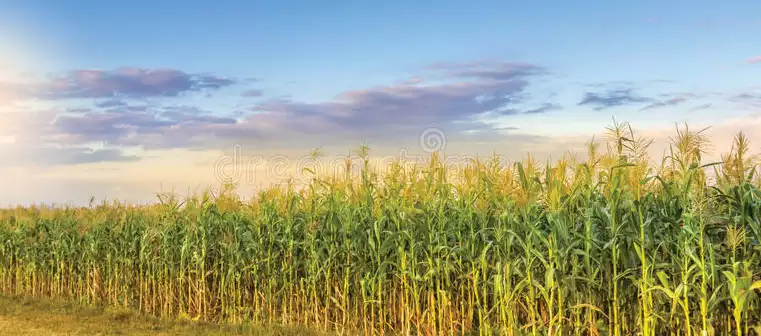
[616, 243]
[24, 316]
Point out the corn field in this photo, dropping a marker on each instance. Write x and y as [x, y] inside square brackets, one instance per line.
[617, 243]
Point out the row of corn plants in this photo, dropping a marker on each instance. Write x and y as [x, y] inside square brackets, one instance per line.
[614, 244]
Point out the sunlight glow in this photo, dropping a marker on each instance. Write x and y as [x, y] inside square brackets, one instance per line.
[21, 46]
[25, 53]
[7, 139]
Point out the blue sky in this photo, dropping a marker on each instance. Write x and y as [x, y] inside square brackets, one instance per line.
[122, 83]
[306, 43]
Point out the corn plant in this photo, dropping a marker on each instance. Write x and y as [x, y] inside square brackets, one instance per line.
[615, 243]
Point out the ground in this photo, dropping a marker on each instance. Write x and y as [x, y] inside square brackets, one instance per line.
[25, 316]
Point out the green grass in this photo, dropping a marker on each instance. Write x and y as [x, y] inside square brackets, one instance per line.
[24, 316]
[616, 243]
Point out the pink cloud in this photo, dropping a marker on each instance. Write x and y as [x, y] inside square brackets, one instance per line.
[756, 59]
[128, 81]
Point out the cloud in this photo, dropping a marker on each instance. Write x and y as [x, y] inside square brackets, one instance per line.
[35, 141]
[747, 96]
[546, 107]
[252, 93]
[476, 91]
[66, 136]
[457, 103]
[9, 93]
[27, 126]
[679, 99]
[111, 103]
[126, 127]
[756, 59]
[613, 97]
[86, 155]
[81, 155]
[492, 70]
[752, 99]
[612, 84]
[44, 156]
[107, 127]
[412, 81]
[79, 109]
[126, 82]
[702, 107]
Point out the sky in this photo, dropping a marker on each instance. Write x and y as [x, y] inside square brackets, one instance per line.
[121, 100]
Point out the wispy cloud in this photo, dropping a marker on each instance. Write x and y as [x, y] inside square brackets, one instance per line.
[126, 82]
[36, 142]
[111, 103]
[79, 110]
[546, 107]
[749, 98]
[488, 69]
[673, 101]
[412, 81]
[127, 127]
[756, 59]
[252, 93]
[79, 155]
[702, 107]
[614, 96]
[44, 156]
